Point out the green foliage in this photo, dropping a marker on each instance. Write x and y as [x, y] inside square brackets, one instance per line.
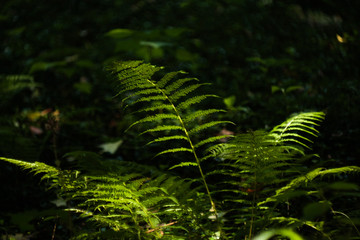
[266, 58]
[169, 99]
[281, 232]
[126, 205]
[252, 182]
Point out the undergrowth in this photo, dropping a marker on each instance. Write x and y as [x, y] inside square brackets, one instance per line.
[239, 186]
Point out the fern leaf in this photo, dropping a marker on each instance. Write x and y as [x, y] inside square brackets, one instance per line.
[207, 125]
[156, 107]
[128, 69]
[211, 139]
[147, 91]
[168, 77]
[194, 100]
[316, 173]
[202, 113]
[164, 128]
[170, 97]
[168, 138]
[185, 91]
[184, 164]
[134, 86]
[298, 124]
[36, 167]
[177, 84]
[173, 150]
[153, 118]
[150, 99]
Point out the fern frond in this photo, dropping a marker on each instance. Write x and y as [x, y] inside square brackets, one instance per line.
[36, 167]
[319, 172]
[13, 83]
[296, 222]
[294, 128]
[259, 163]
[172, 98]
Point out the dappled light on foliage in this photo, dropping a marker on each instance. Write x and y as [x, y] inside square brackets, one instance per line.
[184, 119]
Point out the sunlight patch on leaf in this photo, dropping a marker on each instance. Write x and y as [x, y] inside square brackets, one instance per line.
[111, 147]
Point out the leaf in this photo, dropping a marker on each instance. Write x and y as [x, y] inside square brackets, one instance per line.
[184, 164]
[185, 91]
[155, 44]
[289, 233]
[119, 33]
[211, 139]
[194, 100]
[59, 202]
[208, 125]
[173, 150]
[111, 147]
[164, 128]
[168, 77]
[153, 118]
[230, 101]
[202, 113]
[177, 84]
[43, 66]
[168, 138]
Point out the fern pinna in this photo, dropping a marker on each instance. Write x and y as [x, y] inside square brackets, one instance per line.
[168, 99]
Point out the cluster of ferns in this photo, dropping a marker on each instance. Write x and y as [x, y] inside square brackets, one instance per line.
[239, 185]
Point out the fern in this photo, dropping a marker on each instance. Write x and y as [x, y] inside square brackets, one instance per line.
[36, 167]
[255, 175]
[295, 129]
[170, 101]
[261, 168]
[130, 205]
[14, 83]
[257, 162]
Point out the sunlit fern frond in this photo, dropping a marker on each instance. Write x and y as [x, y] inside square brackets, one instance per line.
[304, 179]
[123, 205]
[257, 163]
[298, 130]
[129, 204]
[35, 168]
[167, 103]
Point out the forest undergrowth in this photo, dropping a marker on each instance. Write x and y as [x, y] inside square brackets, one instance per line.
[199, 184]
